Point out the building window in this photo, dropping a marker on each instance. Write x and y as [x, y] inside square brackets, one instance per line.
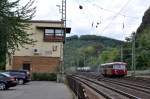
[26, 66]
[49, 31]
[59, 32]
[53, 34]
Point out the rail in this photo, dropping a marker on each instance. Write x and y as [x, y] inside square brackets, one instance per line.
[93, 84]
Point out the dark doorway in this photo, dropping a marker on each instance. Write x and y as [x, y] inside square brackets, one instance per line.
[26, 66]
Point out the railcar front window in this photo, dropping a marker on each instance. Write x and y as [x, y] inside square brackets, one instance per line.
[119, 67]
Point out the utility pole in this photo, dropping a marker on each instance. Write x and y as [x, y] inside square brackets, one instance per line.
[122, 44]
[133, 54]
[64, 33]
[62, 10]
[121, 53]
[64, 17]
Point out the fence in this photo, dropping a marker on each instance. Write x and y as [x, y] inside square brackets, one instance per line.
[76, 87]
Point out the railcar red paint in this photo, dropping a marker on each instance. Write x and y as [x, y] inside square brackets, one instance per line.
[117, 69]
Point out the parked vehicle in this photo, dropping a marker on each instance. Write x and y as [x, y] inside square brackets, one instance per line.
[114, 69]
[22, 76]
[7, 81]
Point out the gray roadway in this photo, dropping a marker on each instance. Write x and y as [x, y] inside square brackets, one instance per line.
[37, 90]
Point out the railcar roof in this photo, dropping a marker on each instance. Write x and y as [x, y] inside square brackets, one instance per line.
[112, 63]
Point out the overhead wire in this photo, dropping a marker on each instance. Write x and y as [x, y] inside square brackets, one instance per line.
[95, 5]
[90, 17]
[82, 8]
[116, 15]
[97, 23]
[87, 15]
[132, 17]
[112, 19]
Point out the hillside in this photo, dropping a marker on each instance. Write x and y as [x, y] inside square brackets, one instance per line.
[86, 49]
[143, 42]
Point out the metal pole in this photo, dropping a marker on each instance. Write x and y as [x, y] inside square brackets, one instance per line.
[133, 54]
[121, 53]
[64, 35]
[63, 32]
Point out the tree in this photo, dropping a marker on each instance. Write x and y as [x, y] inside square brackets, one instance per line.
[143, 49]
[110, 55]
[13, 25]
[143, 42]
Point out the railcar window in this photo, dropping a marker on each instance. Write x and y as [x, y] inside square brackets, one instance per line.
[110, 66]
[119, 67]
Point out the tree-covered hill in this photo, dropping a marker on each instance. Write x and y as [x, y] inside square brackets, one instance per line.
[143, 42]
[87, 50]
[142, 45]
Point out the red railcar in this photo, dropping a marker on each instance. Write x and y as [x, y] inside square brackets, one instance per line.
[114, 69]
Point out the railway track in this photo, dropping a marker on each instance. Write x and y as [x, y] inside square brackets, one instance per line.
[137, 80]
[135, 86]
[133, 81]
[106, 91]
[137, 90]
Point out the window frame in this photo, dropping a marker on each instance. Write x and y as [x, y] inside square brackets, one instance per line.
[54, 33]
[49, 32]
[119, 66]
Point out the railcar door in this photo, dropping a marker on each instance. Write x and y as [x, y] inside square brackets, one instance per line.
[109, 70]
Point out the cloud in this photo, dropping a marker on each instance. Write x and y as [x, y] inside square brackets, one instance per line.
[80, 28]
[109, 13]
[47, 10]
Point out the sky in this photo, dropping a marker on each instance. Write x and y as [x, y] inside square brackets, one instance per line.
[111, 18]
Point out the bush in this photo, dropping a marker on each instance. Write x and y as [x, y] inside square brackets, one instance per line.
[44, 76]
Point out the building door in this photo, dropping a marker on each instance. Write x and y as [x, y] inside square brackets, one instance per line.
[26, 66]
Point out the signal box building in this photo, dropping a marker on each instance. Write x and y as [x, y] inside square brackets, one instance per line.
[46, 54]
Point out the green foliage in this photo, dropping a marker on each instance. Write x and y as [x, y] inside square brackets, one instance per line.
[2, 65]
[44, 76]
[142, 50]
[110, 55]
[2, 59]
[13, 23]
[90, 37]
[90, 50]
[87, 50]
[143, 43]
[74, 37]
[142, 40]
[104, 40]
[127, 52]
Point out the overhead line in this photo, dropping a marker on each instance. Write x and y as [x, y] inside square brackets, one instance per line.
[116, 15]
[114, 11]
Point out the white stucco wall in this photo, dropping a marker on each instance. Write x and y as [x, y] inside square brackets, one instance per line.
[45, 49]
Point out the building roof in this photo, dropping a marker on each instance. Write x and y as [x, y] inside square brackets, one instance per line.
[68, 29]
[113, 63]
[45, 21]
